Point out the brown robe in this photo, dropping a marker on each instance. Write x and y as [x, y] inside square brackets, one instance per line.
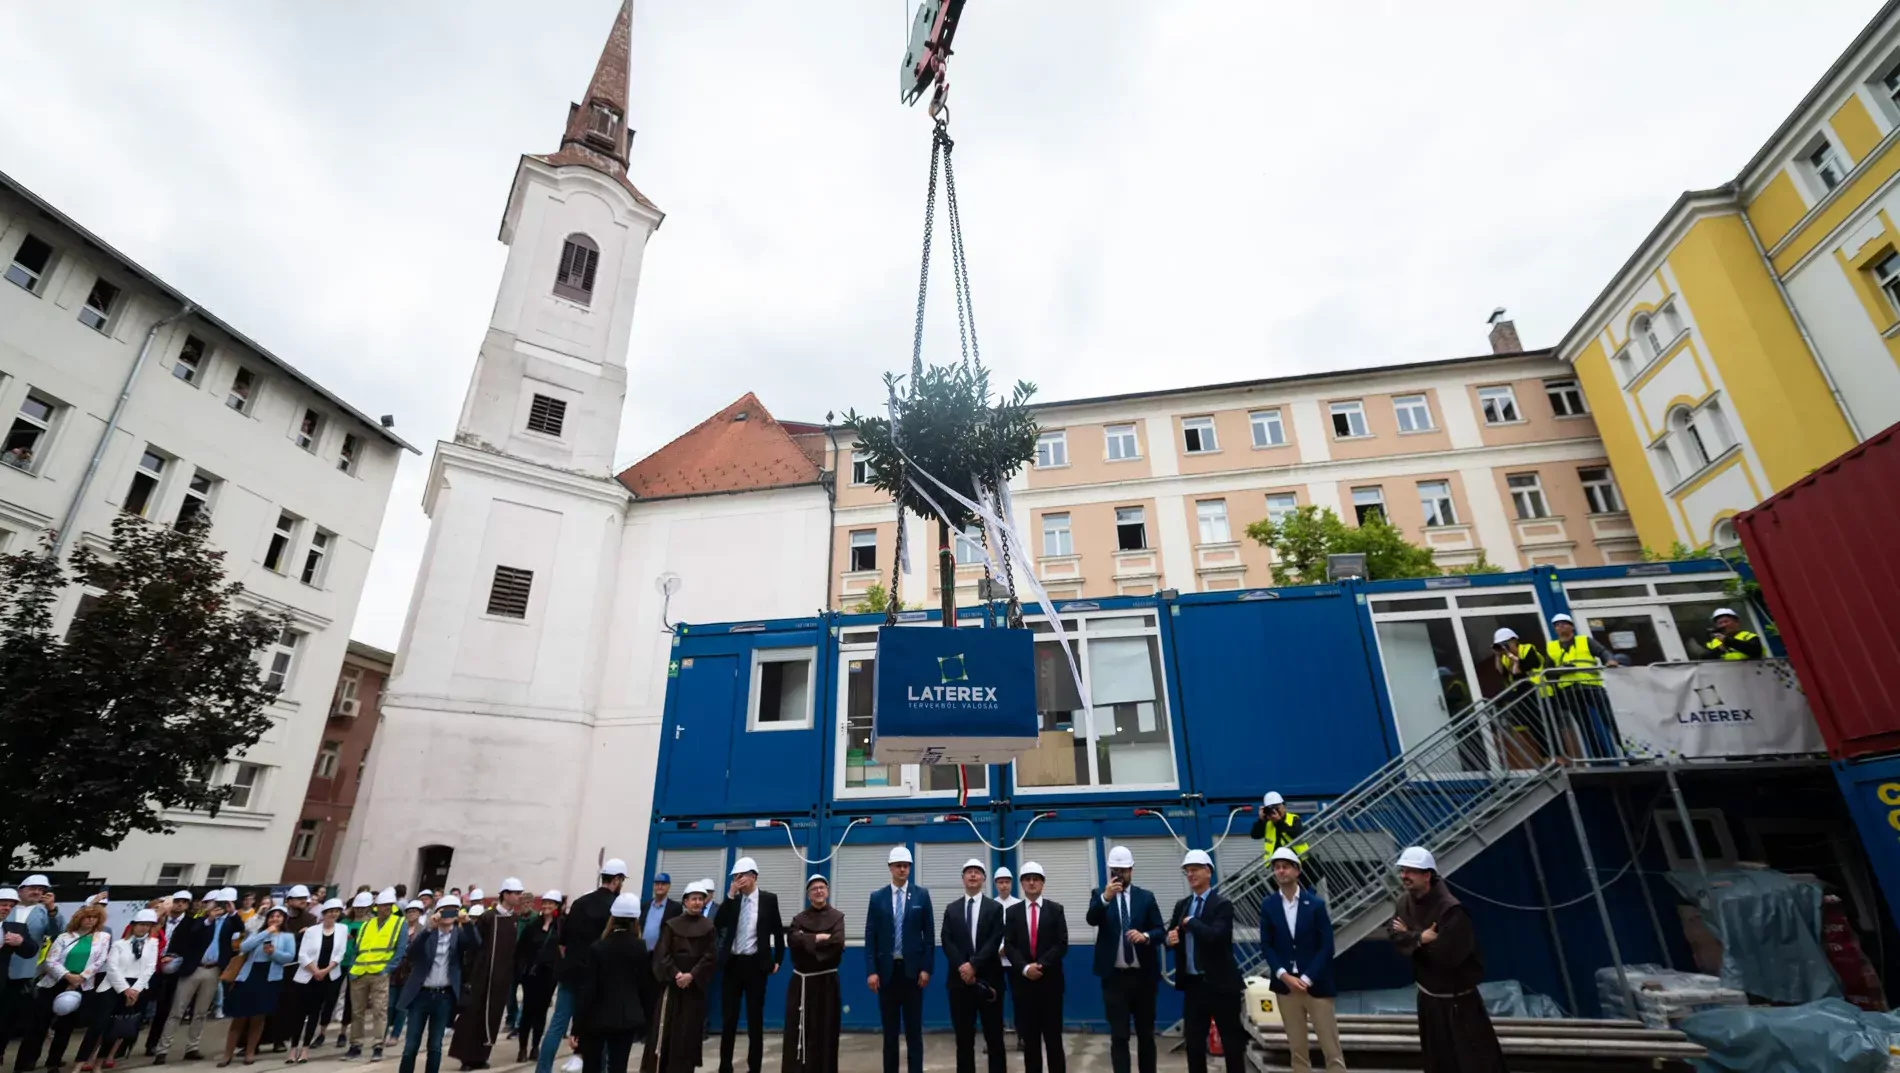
[487, 981]
[686, 945]
[1454, 1031]
[812, 1003]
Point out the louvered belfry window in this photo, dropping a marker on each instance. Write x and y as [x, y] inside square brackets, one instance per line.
[547, 415]
[508, 596]
[579, 259]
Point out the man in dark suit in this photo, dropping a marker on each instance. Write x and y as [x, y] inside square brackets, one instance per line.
[972, 947]
[751, 945]
[583, 924]
[1036, 934]
[203, 945]
[901, 949]
[1296, 934]
[435, 981]
[1201, 933]
[1127, 923]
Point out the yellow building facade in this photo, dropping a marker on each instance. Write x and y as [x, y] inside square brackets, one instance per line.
[1755, 333]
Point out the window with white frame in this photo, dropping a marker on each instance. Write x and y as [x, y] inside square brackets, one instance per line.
[247, 785]
[101, 302]
[860, 467]
[1367, 502]
[1498, 402]
[1056, 539]
[1121, 442]
[1281, 504]
[1599, 490]
[1197, 435]
[191, 360]
[174, 875]
[862, 775]
[1268, 429]
[781, 689]
[1671, 319]
[1131, 529]
[31, 260]
[282, 539]
[1626, 363]
[1052, 449]
[1824, 163]
[146, 479]
[1890, 87]
[220, 875]
[1126, 741]
[863, 550]
[243, 391]
[1435, 497]
[1211, 517]
[198, 495]
[1566, 397]
[316, 559]
[968, 546]
[1414, 414]
[1527, 496]
[329, 757]
[1643, 330]
[352, 449]
[1349, 419]
[31, 433]
[283, 659]
[1689, 438]
[349, 687]
[303, 845]
[309, 428]
[1887, 278]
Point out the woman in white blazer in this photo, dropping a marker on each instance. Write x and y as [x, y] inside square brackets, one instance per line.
[76, 962]
[130, 967]
[313, 990]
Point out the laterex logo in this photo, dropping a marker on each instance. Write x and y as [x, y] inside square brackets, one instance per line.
[983, 697]
[1717, 715]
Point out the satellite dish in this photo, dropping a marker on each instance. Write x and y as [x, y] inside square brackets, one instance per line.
[668, 584]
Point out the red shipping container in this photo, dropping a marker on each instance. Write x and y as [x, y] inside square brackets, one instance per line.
[1826, 550]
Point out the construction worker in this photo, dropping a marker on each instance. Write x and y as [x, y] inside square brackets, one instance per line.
[1731, 641]
[1277, 827]
[1520, 662]
[1580, 698]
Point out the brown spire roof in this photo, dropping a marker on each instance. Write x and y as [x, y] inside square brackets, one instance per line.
[597, 134]
[741, 448]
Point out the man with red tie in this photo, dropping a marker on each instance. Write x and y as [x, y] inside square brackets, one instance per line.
[1036, 935]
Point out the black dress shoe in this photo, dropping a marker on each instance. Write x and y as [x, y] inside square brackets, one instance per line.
[158, 1059]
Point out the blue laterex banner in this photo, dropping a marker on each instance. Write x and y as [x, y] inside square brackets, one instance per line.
[953, 696]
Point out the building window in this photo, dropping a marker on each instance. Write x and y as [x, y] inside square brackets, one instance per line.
[30, 262]
[221, 875]
[1121, 442]
[860, 467]
[547, 415]
[1566, 398]
[1198, 435]
[1281, 504]
[283, 659]
[303, 847]
[1626, 364]
[1435, 497]
[968, 546]
[1211, 515]
[145, 482]
[197, 501]
[317, 559]
[1645, 329]
[329, 756]
[864, 549]
[191, 360]
[27, 439]
[1268, 431]
[246, 787]
[603, 122]
[1413, 413]
[1126, 741]
[1499, 403]
[508, 592]
[1684, 428]
[1527, 496]
[174, 875]
[1052, 449]
[1368, 502]
[1724, 535]
[1131, 530]
[1599, 490]
[349, 685]
[1826, 164]
[308, 430]
[781, 689]
[352, 449]
[1349, 420]
[575, 280]
[277, 555]
[1056, 539]
[243, 390]
[97, 312]
[1666, 462]
[1887, 278]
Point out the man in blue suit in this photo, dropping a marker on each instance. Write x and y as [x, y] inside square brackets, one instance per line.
[900, 945]
[1296, 935]
[1127, 922]
[435, 981]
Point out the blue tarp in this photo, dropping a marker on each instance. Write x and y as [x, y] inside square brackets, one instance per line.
[1502, 998]
[1829, 1036]
[1770, 926]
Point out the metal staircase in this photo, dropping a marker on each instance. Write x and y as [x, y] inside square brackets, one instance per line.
[1456, 792]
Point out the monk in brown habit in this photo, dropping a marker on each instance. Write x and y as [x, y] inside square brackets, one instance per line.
[488, 979]
[682, 962]
[812, 1006]
[1433, 929]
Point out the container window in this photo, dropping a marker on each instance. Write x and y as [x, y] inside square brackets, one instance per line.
[781, 689]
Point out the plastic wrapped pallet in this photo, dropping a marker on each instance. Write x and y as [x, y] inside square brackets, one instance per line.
[1829, 1036]
[1772, 924]
[1663, 997]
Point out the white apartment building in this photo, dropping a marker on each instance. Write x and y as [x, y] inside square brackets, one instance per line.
[120, 395]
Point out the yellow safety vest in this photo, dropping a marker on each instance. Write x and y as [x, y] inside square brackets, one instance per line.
[1578, 655]
[376, 945]
[1272, 841]
[1525, 652]
[1715, 645]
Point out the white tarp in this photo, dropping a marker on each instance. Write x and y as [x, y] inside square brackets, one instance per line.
[1715, 708]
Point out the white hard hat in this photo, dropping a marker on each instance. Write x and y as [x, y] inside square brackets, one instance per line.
[1003, 873]
[1031, 868]
[226, 894]
[743, 865]
[476, 895]
[626, 906]
[425, 893]
[181, 896]
[413, 904]
[65, 1002]
[145, 916]
[511, 885]
[1505, 633]
[334, 903]
[1418, 857]
[36, 880]
[363, 900]
[1561, 617]
[974, 863]
[298, 891]
[816, 877]
[449, 902]
[1120, 857]
[1720, 611]
[552, 896]
[8, 894]
[699, 886]
[386, 896]
[614, 867]
[1273, 798]
[1197, 856]
[899, 855]
[1284, 853]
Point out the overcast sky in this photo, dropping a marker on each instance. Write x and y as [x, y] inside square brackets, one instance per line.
[1153, 194]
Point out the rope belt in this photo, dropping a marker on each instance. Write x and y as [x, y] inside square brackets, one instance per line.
[802, 1004]
[1455, 994]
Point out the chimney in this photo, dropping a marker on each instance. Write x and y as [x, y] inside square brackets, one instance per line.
[1504, 334]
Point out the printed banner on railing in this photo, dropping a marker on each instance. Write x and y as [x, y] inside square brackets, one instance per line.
[953, 696]
[1717, 708]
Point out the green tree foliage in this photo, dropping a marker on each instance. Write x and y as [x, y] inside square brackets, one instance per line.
[130, 713]
[1303, 539]
[1483, 565]
[1678, 552]
[877, 600]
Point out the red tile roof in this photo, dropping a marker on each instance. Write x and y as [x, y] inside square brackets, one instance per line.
[741, 448]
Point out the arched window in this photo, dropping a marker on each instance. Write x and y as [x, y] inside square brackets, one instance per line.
[1642, 328]
[1683, 429]
[1725, 535]
[579, 258]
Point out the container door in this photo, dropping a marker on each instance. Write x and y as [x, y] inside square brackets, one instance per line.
[1411, 675]
[709, 690]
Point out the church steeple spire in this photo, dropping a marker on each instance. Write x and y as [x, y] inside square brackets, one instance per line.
[597, 134]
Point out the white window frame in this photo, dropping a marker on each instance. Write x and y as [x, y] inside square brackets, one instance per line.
[35, 283]
[142, 471]
[349, 454]
[1062, 534]
[247, 398]
[289, 534]
[328, 759]
[222, 875]
[1525, 497]
[1497, 399]
[860, 468]
[1198, 436]
[851, 562]
[1566, 389]
[1270, 422]
[46, 425]
[303, 843]
[1600, 491]
[280, 668]
[967, 546]
[1140, 519]
[1886, 274]
[1413, 408]
[1354, 411]
[203, 498]
[253, 790]
[188, 372]
[1082, 630]
[1052, 449]
[907, 779]
[322, 543]
[1210, 520]
[1379, 492]
[1289, 508]
[1825, 163]
[175, 875]
[1435, 497]
[308, 438]
[1113, 439]
[762, 656]
[101, 320]
[349, 687]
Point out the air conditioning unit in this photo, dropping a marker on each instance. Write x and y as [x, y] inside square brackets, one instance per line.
[346, 707]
